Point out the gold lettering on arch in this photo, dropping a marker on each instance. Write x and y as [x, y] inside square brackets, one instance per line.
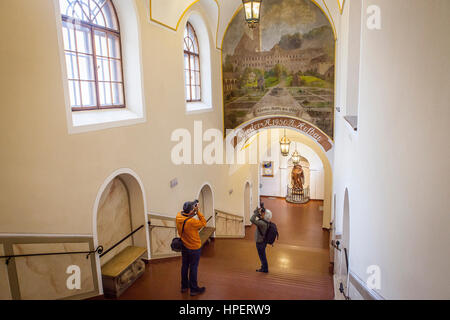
[247, 130]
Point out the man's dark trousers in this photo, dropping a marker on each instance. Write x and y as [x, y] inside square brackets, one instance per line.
[190, 261]
[261, 246]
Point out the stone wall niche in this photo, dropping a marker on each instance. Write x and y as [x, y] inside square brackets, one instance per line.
[121, 211]
[206, 203]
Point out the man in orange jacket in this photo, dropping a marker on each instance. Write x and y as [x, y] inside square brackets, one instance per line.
[192, 244]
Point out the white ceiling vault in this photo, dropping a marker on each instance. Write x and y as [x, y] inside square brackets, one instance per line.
[169, 13]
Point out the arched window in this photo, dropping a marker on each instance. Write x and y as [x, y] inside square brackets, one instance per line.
[93, 54]
[192, 65]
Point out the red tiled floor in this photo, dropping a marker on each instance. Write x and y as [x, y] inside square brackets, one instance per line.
[298, 263]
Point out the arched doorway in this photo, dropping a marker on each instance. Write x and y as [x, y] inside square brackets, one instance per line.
[206, 202]
[247, 203]
[320, 169]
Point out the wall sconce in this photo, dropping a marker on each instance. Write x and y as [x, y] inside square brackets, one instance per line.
[252, 12]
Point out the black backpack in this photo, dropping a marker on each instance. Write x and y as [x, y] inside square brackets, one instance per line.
[271, 233]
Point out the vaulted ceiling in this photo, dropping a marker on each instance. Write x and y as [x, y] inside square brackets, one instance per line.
[169, 13]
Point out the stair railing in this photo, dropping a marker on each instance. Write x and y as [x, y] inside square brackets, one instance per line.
[122, 240]
[227, 217]
[8, 258]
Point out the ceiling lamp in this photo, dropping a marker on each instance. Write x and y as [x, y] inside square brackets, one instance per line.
[285, 145]
[252, 12]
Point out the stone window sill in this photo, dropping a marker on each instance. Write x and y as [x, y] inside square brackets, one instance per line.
[197, 107]
[84, 121]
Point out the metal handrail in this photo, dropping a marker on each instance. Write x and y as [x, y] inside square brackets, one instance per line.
[155, 226]
[346, 258]
[335, 244]
[98, 250]
[230, 214]
[341, 285]
[123, 239]
[342, 291]
[8, 258]
[206, 223]
[172, 227]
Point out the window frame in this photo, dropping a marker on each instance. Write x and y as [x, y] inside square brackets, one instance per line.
[188, 68]
[108, 31]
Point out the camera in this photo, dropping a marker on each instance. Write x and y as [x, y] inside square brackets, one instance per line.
[262, 209]
[196, 202]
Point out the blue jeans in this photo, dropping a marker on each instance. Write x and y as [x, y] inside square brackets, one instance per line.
[190, 261]
[261, 247]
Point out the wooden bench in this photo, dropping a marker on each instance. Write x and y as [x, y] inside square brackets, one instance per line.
[122, 271]
[206, 233]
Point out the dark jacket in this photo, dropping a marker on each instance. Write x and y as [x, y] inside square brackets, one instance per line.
[261, 224]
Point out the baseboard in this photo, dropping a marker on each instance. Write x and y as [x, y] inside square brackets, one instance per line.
[230, 237]
[278, 197]
[365, 292]
[164, 258]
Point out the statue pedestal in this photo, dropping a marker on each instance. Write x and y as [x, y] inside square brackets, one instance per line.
[297, 195]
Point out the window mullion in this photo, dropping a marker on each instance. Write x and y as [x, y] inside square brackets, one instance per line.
[199, 79]
[94, 57]
[109, 66]
[90, 12]
[190, 77]
[121, 69]
[78, 64]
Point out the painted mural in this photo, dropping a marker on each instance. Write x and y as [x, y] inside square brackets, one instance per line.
[284, 66]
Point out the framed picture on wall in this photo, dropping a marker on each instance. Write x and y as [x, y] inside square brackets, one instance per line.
[267, 169]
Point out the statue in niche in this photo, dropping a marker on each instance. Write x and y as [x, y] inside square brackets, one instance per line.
[297, 178]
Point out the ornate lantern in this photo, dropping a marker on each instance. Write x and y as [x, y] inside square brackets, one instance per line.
[285, 145]
[295, 157]
[252, 12]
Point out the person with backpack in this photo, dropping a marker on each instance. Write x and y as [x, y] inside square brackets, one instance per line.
[188, 229]
[261, 219]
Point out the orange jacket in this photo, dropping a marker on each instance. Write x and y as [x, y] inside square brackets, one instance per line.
[190, 236]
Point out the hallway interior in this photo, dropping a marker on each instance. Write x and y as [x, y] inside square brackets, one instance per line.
[117, 112]
[298, 263]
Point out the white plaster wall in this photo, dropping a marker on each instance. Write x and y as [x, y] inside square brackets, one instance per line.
[399, 217]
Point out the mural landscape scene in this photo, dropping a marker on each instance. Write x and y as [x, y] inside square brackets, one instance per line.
[284, 66]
